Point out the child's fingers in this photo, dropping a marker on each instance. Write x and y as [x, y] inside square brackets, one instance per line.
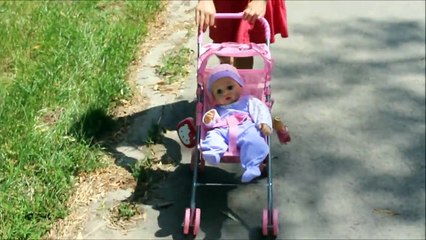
[205, 14]
[209, 20]
[246, 14]
[200, 20]
[250, 15]
[197, 17]
[255, 10]
[204, 20]
[212, 18]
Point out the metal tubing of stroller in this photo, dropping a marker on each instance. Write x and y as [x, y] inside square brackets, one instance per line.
[270, 196]
[195, 172]
[270, 204]
[196, 156]
[240, 15]
[219, 184]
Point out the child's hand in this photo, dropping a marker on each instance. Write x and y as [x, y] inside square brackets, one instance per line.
[254, 10]
[208, 117]
[204, 14]
[265, 129]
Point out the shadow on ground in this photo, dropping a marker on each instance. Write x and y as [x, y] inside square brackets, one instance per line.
[167, 192]
[357, 117]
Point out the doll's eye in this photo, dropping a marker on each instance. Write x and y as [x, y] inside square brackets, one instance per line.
[219, 91]
[230, 87]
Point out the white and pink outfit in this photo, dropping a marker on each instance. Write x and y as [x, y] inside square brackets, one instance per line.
[235, 126]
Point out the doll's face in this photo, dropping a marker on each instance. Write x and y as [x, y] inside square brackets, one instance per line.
[226, 91]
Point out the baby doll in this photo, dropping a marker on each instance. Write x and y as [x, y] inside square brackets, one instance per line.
[236, 120]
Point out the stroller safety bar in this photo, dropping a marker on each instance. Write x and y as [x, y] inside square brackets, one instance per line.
[233, 50]
[240, 15]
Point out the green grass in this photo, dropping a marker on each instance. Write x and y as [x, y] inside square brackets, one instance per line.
[62, 66]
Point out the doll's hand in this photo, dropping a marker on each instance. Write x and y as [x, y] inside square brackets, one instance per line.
[255, 10]
[265, 129]
[209, 116]
[204, 14]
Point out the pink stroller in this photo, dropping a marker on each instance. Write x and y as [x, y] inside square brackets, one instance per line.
[190, 131]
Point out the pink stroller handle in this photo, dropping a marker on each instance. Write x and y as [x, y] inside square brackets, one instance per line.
[240, 15]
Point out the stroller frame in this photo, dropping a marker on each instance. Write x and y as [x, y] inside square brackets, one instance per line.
[192, 218]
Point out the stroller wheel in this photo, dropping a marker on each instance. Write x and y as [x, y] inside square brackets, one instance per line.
[201, 162]
[191, 224]
[265, 222]
[266, 226]
[187, 221]
[275, 222]
[197, 220]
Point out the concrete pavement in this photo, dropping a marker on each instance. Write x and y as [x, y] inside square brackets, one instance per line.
[350, 83]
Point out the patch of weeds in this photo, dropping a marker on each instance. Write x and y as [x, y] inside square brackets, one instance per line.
[155, 134]
[140, 168]
[135, 170]
[175, 65]
[126, 210]
[125, 215]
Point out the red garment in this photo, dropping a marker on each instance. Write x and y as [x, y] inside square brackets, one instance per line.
[241, 31]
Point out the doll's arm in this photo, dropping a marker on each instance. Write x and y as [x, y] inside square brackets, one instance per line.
[261, 115]
[211, 117]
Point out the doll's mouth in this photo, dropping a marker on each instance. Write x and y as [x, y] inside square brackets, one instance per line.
[228, 98]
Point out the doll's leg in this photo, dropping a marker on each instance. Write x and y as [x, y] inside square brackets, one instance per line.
[213, 146]
[244, 62]
[253, 150]
[240, 62]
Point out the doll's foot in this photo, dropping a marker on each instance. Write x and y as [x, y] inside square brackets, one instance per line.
[250, 174]
[211, 157]
[263, 168]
